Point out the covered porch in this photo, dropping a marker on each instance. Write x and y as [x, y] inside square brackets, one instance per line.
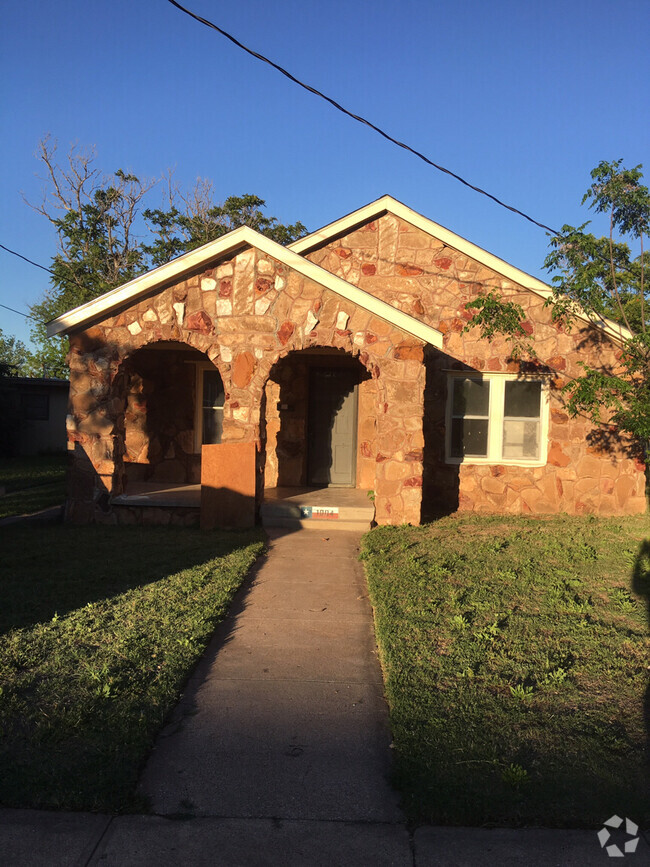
[319, 508]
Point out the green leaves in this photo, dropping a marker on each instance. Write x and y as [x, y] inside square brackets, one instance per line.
[600, 279]
[495, 316]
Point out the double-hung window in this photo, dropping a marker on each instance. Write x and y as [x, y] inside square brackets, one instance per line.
[496, 418]
[210, 398]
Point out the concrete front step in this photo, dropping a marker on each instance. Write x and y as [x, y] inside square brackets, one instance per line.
[324, 514]
[319, 526]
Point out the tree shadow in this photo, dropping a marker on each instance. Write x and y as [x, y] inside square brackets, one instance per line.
[641, 586]
[53, 570]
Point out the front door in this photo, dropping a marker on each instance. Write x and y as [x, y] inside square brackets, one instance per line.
[332, 426]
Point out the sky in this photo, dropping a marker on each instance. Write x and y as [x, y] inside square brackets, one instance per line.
[522, 99]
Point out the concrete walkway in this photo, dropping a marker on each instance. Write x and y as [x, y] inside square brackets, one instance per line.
[278, 753]
[285, 717]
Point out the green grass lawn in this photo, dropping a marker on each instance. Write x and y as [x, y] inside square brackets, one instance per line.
[31, 484]
[516, 654]
[99, 630]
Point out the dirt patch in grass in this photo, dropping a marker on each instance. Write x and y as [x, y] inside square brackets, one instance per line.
[516, 658]
[99, 630]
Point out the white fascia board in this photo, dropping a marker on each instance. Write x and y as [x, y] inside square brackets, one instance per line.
[387, 204]
[244, 236]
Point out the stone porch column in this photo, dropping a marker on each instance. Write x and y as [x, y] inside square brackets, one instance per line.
[400, 441]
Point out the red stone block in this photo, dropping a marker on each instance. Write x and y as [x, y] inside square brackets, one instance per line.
[225, 289]
[443, 262]
[368, 269]
[285, 331]
[199, 321]
[409, 352]
[243, 369]
[556, 457]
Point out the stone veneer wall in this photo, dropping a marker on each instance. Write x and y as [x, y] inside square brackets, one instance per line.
[245, 314]
[406, 267]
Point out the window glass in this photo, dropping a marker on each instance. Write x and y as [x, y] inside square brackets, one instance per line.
[520, 439]
[521, 414]
[213, 393]
[469, 436]
[471, 397]
[212, 407]
[469, 423]
[522, 399]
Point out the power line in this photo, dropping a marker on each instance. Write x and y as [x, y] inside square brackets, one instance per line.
[31, 262]
[358, 117]
[36, 265]
[20, 312]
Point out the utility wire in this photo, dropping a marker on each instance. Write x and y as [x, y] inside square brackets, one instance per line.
[31, 262]
[358, 118]
[19, 312]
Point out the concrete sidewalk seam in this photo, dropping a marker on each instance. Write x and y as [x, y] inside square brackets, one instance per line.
[108, 824]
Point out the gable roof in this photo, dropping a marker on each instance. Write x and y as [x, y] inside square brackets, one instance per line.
[236, 240]
[389, 205]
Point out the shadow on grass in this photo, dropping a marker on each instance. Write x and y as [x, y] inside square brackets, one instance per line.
[641, 586]
[53, 570]
[86, 691]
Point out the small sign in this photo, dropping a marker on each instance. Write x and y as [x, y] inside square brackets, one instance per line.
[327, 513]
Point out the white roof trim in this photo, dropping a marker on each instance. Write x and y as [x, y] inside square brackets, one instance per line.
[387, 204]
[242, 237]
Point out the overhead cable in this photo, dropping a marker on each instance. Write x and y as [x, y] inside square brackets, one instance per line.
[358, 117]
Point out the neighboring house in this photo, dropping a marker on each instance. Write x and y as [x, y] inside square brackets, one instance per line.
[33, 415]
[344, 359]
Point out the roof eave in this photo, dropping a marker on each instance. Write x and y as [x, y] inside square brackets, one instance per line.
[238, 238]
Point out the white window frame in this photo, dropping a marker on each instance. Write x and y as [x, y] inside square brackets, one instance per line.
[201, 367]
[495, 419]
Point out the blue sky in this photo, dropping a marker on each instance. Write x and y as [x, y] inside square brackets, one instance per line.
[521, 98]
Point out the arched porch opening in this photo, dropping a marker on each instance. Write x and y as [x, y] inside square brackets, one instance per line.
[173, 398]
[318, 422]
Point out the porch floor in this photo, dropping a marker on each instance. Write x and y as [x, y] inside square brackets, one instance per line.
[348, 508]
[160, 495]
[354, 497]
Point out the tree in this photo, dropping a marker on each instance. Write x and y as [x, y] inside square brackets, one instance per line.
[599, 278]
[106, 236]
[14, 356]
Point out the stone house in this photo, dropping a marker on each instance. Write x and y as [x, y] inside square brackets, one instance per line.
[343, 360]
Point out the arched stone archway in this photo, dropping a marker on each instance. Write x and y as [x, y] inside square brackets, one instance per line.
[138, 417]
[318, 421]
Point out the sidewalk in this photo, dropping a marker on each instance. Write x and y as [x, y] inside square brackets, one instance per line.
[278, 752]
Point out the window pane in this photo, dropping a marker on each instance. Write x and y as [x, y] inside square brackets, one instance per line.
[522, 399]
[469, 436]
[520, 439]
[213, 394]
[212, 425]
[471, 397]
